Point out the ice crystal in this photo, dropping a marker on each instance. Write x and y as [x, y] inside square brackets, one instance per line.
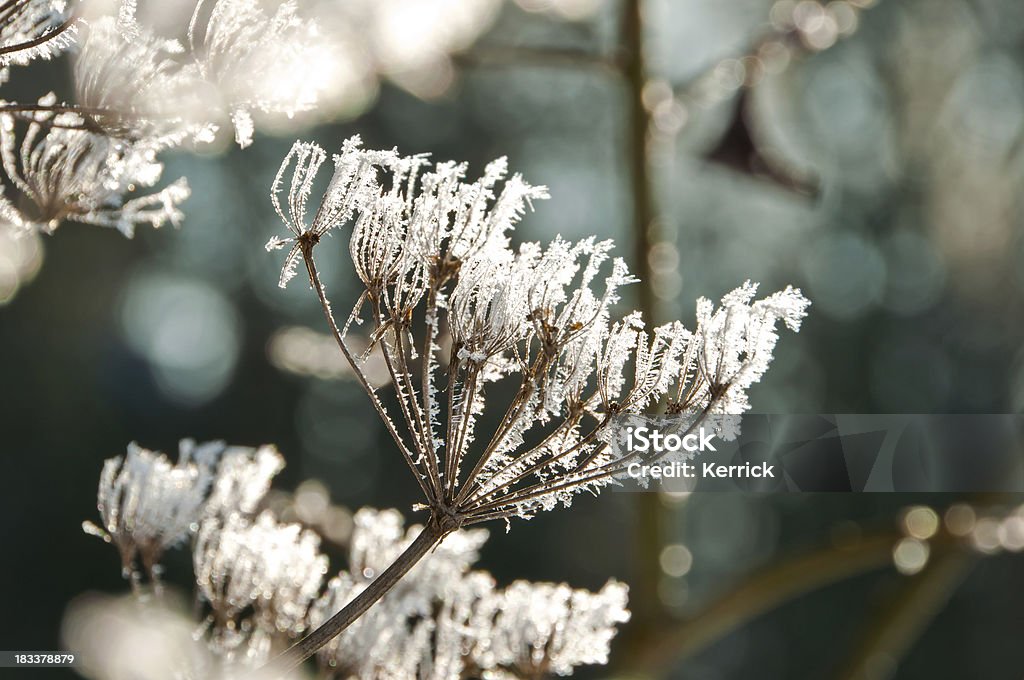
[74, 174]
[427, 244]
[444, 621]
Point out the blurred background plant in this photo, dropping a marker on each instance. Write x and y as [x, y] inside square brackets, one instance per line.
[870, 155]
[260, 584]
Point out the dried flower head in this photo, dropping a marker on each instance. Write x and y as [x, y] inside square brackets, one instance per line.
[149, 504]
[275, 570]
[428, 245]
[136, 85]
[256, 61]
[73, 174]
[546, 628]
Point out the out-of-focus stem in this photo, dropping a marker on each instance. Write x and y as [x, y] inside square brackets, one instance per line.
[891, 634]
[764, 590]
[645, 602]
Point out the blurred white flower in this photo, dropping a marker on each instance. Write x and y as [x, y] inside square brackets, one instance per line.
[21, 256]
[73, 174]
[124, 638]
[274, 569]
[545, 628]
[148, 505]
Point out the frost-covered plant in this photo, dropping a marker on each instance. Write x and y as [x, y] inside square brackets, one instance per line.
[261, 584]
[148, 504]
[546, 628]
[443, 621]
[237, 60]
[267, 570]
[433, 253]
[67, 173]
[139, 94]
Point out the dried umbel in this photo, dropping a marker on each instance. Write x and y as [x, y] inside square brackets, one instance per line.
[432, 251]
[260, 584]
[260, 566]
[148, 504]
[65, 173]
[238, 60]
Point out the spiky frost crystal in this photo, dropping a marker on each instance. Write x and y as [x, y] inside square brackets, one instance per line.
[433, 254]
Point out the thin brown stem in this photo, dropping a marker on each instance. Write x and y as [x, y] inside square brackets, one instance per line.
[401, 380]
[539, 465]
[433, 323]
[470, 387]
[762, 591]
[431, 535]
[40, 40]
[314, 279]
[892, 633]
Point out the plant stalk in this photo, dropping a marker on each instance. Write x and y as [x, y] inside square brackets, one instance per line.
[431, 535]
